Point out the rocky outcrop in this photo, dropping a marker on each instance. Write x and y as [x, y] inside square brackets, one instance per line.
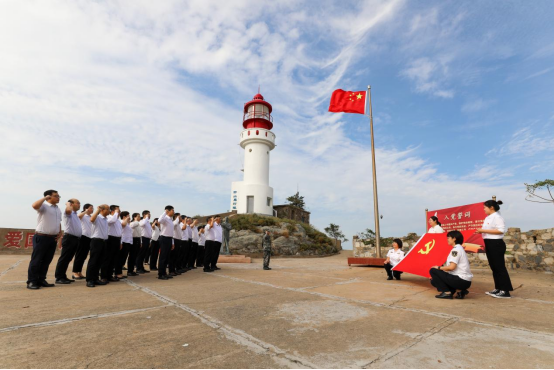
[289, 239]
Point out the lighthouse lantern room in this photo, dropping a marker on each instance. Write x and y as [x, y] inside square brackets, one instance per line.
[253, 194]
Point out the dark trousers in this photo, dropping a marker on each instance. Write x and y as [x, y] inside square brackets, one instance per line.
[44, 248]
[200, 256]
[215, 255]
[133, 252]
[495, 250]
[81, 254]
[208, 254]
[391, 273]
[97, 249]
[142, 253]
[70, 243]
[122, 257]
[165, 249]
[148, 253]
[174, 255]
[267, 257]
[110, 257]
[186, 253]
[155, 251]
[179, 254]
[445, 282]
[193, 249]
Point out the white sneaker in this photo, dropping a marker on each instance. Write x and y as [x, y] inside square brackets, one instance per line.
[493, 293]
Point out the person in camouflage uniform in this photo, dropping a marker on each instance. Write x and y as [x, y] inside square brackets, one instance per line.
[266, 245]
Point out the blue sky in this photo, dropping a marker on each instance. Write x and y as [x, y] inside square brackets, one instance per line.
[139, 103]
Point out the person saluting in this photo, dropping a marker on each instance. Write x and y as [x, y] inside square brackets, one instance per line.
[493, 231]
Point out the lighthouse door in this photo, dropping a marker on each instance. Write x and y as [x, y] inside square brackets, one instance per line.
[250, 204]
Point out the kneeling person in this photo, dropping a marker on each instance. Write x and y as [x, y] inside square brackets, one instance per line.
[394, 256]
[456, 275]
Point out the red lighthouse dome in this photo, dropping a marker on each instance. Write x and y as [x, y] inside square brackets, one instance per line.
[257, 113]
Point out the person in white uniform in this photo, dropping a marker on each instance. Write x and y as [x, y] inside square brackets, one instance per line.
[165, 240]
[435, 226]
[155, 250]
[394, 256]
[456, 274]
[70, 240]
[493, 231]
[98, 246]
[84, 243]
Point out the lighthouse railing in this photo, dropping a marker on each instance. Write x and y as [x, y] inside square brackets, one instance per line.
[257, 115]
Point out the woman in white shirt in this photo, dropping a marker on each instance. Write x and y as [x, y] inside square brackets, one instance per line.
[394, 256]
[493, 231]
[435, 226]
[456, 274]
[154, 253]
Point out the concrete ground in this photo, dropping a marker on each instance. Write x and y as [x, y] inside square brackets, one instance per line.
[305, 313]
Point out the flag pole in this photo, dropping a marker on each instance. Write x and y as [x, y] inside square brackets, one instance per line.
[375, 203]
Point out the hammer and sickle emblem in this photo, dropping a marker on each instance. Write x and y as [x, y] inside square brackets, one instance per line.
[428, 247]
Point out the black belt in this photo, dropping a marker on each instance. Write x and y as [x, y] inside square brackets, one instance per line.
[99, 239]
[75, 236]
[51, 236]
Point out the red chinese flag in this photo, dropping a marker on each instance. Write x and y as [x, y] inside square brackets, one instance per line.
[431, 250]
[348, 102]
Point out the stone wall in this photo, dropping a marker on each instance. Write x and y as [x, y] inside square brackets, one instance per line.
[531, 250]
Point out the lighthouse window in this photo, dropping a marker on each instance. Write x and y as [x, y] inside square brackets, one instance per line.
[248, 133]
[268, 201]
[249, 150]
[257, 132]
[266, 133]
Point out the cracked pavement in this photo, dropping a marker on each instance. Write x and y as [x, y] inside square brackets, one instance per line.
[305, 313]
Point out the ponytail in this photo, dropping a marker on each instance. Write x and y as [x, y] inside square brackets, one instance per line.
[493, 203]
[436, 219]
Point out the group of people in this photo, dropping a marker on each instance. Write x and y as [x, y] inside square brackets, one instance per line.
[453, 279]
[171, 244]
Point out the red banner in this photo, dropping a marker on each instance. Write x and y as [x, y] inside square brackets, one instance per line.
[468, 217]
[431, 250]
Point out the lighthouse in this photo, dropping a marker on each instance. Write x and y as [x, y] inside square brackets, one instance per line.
[253, 194]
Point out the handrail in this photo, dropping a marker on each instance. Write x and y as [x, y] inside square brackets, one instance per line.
[257, 114]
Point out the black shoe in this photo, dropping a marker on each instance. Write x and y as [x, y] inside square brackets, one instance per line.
[132, 273]
[33, 286]
[389, 278]
[502, 294]
[146, 271]
[70, 280]
[90, 284]
[153, 269]
[100, 282]
[444, 295]
[62, 281]
[181, 271]
[208, 270]
[461, 294]
[398, 278]
[163, 277]
[141, 272]
[267, 268]
[493, 292]
[122, 277]
[169, 276]
[114, 279]
[172, 274]
[216, 268]
[45, 284]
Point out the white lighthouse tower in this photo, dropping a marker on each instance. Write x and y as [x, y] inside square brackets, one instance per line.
[253, 194]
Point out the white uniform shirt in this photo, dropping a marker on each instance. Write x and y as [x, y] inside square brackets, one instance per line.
[49, 219]
[209, 232]
[202, 239]
[494, 222]
[146, 228]
[166, 225]
[127, 235]
[86, 226]
[72, 224]
[437, 229]
[218, 232]
[194, 231]
[100, 228]
[155, 233]
[135, 225]
[395, 256]
[114, 225]
[177, 232]
[459, 257]
[184, 234]
[189, 232]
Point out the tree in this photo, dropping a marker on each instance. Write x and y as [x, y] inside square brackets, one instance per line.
[334, 232]
[539, 185]
[368, 237]
[296, 200]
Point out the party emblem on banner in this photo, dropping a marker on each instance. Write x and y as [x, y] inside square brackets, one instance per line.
[431, 250]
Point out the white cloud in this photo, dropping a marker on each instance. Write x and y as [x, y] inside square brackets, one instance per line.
[429, 76]
[477, 105]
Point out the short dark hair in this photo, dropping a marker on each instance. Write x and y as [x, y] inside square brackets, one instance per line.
[168, 208]
[455, 234]
[493, 203]
[216, 216]
[135, 215]
[398, 241]
[85, 207]
[145, 212]
[175, 215]
[113, 207]
[124, 214]
[156, 219]
[182, 217]
[50, 192]
[436, 219]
